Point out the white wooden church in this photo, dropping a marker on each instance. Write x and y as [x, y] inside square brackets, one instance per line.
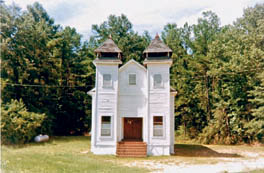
[133, 104]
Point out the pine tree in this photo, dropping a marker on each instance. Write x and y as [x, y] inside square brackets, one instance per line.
[256, 125]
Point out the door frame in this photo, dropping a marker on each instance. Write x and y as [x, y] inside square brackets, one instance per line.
[142, 129]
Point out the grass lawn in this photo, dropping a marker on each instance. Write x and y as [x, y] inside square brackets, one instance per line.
[61, 154]
[72, 154]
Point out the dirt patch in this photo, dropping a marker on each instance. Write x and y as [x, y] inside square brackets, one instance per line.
[225, 165]
[198, 158]
[237, 165]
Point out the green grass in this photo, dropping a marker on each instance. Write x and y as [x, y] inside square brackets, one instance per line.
[72, 154]
[61, 154]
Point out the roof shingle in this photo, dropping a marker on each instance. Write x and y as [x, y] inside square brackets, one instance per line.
[108, 46]
[156, 46]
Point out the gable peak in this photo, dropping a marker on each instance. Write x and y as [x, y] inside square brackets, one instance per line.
[130, 62]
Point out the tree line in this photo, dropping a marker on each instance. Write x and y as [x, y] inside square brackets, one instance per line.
[218, 71]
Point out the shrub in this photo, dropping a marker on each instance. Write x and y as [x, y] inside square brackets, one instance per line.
[17, 124]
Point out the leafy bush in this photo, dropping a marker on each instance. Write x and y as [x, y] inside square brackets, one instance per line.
[17, 124]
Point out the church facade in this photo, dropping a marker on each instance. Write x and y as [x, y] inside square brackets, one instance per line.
[133, 104]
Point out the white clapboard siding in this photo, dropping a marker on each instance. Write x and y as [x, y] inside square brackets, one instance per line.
[159, 105]
[139, 100]
[132, 99]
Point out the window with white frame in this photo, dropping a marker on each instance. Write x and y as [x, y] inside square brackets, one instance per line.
[106, 126]
[132, 79]
[157, 126]
[158, 81]
[107, 80]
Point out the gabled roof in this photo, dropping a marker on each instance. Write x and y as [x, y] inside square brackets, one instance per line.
[108, 46]
[132, 61]
[156, 46]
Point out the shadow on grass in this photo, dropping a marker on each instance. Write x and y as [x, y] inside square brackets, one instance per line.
[190, 150]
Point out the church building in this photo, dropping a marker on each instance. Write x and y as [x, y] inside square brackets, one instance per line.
[133, 104]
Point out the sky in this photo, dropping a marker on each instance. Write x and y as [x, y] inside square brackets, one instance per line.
[149, 15]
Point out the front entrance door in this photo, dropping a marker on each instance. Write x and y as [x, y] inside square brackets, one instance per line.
[132, 128]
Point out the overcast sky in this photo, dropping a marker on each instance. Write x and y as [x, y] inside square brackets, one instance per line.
[150, 15]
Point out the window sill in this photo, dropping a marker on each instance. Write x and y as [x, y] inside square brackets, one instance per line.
[106, 137]
[106, 87]
[158, 87]
[158, 137]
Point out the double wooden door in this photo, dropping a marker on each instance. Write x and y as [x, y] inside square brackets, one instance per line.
[132, 128]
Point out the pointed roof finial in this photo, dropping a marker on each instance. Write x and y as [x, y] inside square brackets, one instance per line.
[157, 46]
[108, 46]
